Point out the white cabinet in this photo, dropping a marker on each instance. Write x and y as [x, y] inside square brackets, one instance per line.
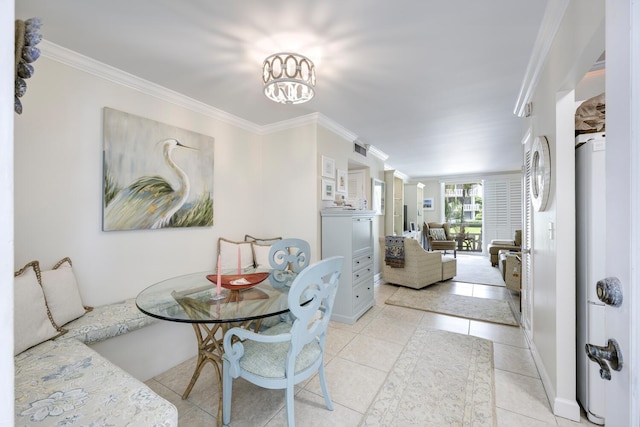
[349, 233]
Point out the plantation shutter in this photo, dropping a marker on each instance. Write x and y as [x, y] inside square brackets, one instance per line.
[502, 209]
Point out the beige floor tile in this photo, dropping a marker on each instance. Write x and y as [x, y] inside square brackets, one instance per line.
[522, 395]
[350, 384]
[511, 419]
[504, 334]
[390, 330]
[514, 359]
[310, 410]
[493, 292]
[337, 339]
[196, 417]
[445, 323]
[372, 352]
[402, 314]
[383, 291]
[252, 405]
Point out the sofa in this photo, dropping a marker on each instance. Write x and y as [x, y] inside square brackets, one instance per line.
[421, 268]
[437, 237]
[59, 379]
[497, 245]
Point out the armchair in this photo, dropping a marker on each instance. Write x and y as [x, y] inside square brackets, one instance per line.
[497, 245]
[286, 354]
[438, 237]
[421, 268]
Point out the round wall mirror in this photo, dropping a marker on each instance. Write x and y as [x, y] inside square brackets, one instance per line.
[540, 170]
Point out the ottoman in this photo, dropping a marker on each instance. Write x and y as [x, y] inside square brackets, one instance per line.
[449, 268]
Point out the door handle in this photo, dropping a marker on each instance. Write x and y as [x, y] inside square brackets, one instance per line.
[601, 355]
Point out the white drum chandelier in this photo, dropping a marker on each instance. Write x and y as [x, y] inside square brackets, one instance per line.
[289, 78]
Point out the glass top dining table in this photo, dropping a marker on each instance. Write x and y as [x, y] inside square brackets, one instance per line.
[193, 298]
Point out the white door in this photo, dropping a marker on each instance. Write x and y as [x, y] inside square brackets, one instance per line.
[623, 203]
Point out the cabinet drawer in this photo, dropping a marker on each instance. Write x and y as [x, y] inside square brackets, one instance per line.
[363, 273]
[362, 261]
[362, 295]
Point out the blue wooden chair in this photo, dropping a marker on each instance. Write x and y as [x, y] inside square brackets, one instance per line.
[286, 354]
[290, 253]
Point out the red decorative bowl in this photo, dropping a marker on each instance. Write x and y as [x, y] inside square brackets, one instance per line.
[238, 281]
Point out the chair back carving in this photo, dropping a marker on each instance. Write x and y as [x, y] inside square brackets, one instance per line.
[294, 254]
[311, 319]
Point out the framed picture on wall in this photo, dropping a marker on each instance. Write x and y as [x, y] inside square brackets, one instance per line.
[328, 189]
[328, 167]
[427, 204]
[341, 185]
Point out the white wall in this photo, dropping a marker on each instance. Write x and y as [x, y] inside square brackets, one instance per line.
[6, 213]
[577, 45]
[265, 184]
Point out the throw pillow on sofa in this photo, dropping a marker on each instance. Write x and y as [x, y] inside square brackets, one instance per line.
[32, 321]
[230, 252]
[261, 255]
[61, 292]
[438, 234]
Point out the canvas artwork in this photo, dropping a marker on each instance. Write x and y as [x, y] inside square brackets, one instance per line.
[155, 175]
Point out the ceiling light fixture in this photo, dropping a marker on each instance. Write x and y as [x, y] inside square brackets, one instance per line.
[289, 78]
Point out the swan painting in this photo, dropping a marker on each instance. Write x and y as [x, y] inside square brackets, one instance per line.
[152, 180]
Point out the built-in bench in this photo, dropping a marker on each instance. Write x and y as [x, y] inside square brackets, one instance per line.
[62, 381]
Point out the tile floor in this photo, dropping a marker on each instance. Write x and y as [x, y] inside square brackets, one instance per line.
[358, 358]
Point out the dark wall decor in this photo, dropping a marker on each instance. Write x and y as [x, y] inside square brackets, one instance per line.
[26, 52]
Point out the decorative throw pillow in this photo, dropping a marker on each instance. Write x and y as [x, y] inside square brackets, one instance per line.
[32, 321]
[61, 292]
[261, 255]
[438, 233]
[269, 241]
[231, 252]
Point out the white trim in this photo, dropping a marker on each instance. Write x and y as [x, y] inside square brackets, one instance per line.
[376, 152]
[107, 72]
[550, 23]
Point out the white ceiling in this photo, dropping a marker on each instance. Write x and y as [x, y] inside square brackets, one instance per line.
[432, 83]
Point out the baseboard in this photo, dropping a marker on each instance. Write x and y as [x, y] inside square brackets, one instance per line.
[561, 407]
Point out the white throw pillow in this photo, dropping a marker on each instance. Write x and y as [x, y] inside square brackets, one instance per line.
[32, 323]
[228, 251]
[62, 294]
[261, 255]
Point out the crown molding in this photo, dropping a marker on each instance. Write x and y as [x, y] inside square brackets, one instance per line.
[313, 118]
[553, 15]
[83, 63]
[376, 152]
[107, 72]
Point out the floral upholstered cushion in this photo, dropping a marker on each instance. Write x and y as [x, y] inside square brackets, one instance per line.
[108, 321]
[65, 383]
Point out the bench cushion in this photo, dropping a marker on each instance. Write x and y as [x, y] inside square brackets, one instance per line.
[108, 321]
[64, 382]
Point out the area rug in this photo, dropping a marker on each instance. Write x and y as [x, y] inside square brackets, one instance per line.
[440, 379]
[477, 269]
[430, 299]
